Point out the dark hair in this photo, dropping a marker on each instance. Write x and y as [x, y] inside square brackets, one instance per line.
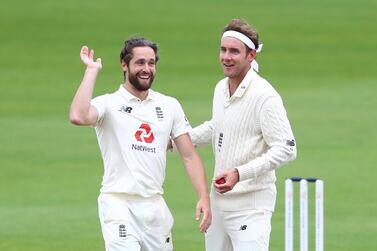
[242, 26]
[126, 53]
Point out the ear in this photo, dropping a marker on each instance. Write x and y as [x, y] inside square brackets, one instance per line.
[124, 66]
[252, 55]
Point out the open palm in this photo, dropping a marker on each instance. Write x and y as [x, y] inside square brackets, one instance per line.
[87, 58]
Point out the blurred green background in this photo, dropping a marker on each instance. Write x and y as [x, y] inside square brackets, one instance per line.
[320, 55]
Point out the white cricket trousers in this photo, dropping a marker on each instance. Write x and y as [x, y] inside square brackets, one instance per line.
[247, 230]
[133, 223]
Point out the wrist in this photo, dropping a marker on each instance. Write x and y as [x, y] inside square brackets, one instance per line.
[92, 69]
[204, 196]
[236, 173]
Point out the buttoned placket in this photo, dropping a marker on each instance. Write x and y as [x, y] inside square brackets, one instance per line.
[144, 106]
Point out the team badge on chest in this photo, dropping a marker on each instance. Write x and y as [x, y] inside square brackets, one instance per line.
[159, 113]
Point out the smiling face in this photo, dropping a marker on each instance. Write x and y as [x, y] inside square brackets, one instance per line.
[235, 58]
[141, 69]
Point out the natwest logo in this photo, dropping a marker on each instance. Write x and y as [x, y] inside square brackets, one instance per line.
[144, 134]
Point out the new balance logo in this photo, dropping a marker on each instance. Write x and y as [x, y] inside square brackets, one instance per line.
[243, 227]
[290, 142]
[125, 109]
[144, 134]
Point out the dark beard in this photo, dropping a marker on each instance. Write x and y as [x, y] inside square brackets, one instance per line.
[138, 86]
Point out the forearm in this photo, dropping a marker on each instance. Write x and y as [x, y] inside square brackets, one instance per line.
[80, 107]
[275, 157]
[193, 164]
[195, 171]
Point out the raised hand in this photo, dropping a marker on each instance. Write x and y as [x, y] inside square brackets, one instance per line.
[87, 58]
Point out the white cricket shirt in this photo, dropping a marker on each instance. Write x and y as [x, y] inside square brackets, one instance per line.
[133, 137]
[249, 131]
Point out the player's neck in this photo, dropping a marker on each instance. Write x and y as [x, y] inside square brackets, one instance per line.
[142, 95]
[234, 82]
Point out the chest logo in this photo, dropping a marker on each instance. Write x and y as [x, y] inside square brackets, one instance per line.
[144, 134]
[220, 143]
[125, 109]
[159, 113]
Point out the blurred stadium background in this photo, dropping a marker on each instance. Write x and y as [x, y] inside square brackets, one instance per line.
[320, 55]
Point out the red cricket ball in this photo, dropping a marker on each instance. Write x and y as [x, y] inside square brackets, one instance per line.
[220, 181]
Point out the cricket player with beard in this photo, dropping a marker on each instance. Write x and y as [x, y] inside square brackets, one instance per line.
[133, 127]
[251, 137]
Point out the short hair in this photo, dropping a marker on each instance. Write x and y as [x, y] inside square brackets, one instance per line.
[242, 26]
[126, 53]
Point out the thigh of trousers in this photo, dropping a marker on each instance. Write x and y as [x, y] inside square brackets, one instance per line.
[134, 223]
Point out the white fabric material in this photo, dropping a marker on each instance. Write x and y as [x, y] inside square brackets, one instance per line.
[249, 131]
[248, 230]
[135, 223]
[240, 37]
[247, 41]
[133, 137]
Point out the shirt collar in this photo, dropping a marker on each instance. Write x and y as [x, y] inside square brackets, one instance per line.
[241, 87]
[129, 97]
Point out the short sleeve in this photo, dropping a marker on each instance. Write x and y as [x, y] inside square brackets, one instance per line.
[100, 104]
[180, 123]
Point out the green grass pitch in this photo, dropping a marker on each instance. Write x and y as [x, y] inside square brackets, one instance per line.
[320, 55]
